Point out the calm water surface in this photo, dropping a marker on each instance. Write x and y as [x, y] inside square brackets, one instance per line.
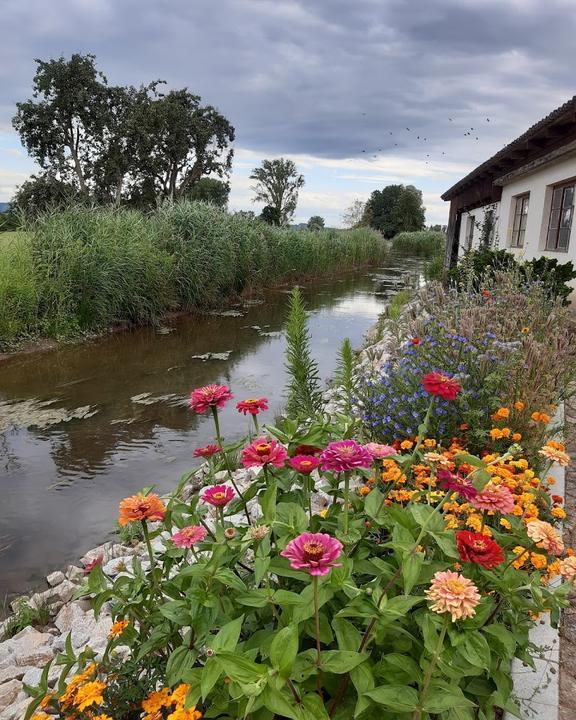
[61, 481]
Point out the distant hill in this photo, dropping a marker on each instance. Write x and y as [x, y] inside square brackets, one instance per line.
[4, 207]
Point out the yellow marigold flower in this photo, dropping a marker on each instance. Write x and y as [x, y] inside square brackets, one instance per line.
[178, 697]
[406, 444]
[46, 700]
[555, 455]
[89, 694]
[519, 405]
[554, 568]
[559, 513]
[538, 560]
[525, 330]
[157, 700]
[555, 444]
[102, 716]
[41, 716]
[501, 414]
[363, 491]
[430, 443]
[516, 436]
[522, 556]
[540, 417]
[118, 628]
[529, 474]
[506, 432]
[182, 714]
[451, 522]
[495, 433]
[323, 513]
[505, 523]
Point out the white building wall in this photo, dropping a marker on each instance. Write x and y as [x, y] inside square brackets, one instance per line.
[475, 220]
[539, 184]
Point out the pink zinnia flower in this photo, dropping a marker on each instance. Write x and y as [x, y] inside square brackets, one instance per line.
[494, 497]
[441, 385]
[314, 553]
[379, 452]
[304, 463]
[92, 564]
[209, 396]
[460, 485]
[218, 495]
[252, 406]
[264, 452]
[189, 536]
[545, 536]
[207, 451]
[345, 455]
[453, 593]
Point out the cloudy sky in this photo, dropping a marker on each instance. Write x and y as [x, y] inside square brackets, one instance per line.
[360, 93]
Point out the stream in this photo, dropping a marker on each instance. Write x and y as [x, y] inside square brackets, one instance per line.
[85, 425]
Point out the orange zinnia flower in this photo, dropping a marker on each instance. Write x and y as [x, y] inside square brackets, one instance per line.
[141, 507]
[118, 628]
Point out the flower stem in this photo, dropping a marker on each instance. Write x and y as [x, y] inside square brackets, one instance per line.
[152, 561]
[256, 424]
[227, 462]
[317, 621]
[428, 677]
[346, 501]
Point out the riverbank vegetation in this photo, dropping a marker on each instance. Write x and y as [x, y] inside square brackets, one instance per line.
[84, 269]
[343, 567]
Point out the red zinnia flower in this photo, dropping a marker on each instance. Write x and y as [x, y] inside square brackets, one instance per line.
[207, 451]
[304, 463]
[415, 341]
[218, 495]
[252, 406]
[307, 450]
[441, 385]
[209, 396]
[477, 548]
[92, 564]
[264, 452]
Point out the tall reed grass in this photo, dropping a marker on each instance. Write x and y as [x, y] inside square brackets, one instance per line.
[421, 242]
[84, 269]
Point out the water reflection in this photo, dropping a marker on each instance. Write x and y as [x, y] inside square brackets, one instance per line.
[61, 484]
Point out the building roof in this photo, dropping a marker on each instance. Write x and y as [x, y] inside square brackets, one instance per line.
[542, 137]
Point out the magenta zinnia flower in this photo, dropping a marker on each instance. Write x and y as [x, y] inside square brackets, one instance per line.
[379, 452]
[304, 463]
[218, 495]
[252, 406]
[189, 536]
[345, 455]
[207, 450]
[314, 553]
[460, 485]
[494, 497]
[209, 396]
[264, 452]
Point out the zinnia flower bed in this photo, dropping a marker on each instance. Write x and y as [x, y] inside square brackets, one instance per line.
[328, 578]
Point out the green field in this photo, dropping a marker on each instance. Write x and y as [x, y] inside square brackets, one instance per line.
[85, 269]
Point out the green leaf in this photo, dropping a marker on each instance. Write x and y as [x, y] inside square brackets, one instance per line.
[290, 519]
[374, 507]
[280, 703]
[286, 597]
[313, 708]
[349, 637]
[284, 649]
[501, 639]
[439, 699]
[228, 636]
[230, 579]
[400, 604]
[395, 697]
[411, 567]
[428, 517]
[261, 565]
[446, 543]
[177, 611]
[340, 661]
[480, 479]
[476, 650]
[470, 460]
[257, 598]
[239, 668]
[268, 503]
[210, 674]
[363, 680]
[181, 660]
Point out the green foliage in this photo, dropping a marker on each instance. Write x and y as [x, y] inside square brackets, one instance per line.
[44, 192]
[344, 375]
[26, 615]
[210, 190]
[478, 266]
[109, 144]
[277, 185]
[316, 222]
[395, 209]
[83, 268]
[304, 397]
[422, 242]
[434, 268]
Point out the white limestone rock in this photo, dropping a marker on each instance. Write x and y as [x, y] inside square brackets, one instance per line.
[55, 578]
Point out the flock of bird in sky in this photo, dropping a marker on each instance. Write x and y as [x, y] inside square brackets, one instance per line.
[470, 132]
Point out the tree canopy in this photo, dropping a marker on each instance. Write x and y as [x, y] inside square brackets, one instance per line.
[120, 143]
[277, 185]
[316, 222]
[396, 208]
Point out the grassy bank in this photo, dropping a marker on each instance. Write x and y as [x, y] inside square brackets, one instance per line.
[425, 243]
[83, 270]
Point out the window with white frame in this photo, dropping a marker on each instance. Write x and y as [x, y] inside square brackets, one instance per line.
[470, 223]
[561, 214]
[519, 221]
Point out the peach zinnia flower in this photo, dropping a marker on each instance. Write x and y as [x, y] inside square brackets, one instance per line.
[189, 536]
[554, 454]
[141, 507]
[545, 536]
[568, 569]
[452, 593]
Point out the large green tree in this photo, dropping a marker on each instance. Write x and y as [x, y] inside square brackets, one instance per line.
[394, 209]
[316, 222]
[277, 185]
[120, 143]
